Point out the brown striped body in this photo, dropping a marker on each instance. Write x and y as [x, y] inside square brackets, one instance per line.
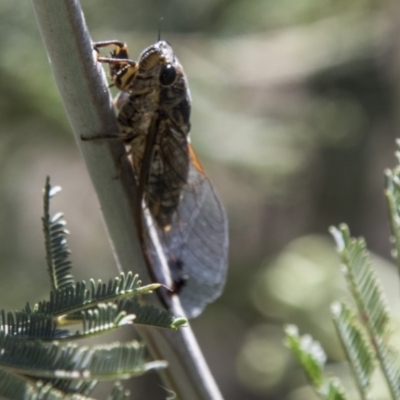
[144, 98]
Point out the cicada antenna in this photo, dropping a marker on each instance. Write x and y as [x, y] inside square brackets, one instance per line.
[159, 28]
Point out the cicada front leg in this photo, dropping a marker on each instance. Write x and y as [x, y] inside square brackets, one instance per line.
[122, 137]
[122, 68]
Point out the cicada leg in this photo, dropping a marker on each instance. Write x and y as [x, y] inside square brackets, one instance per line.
[122, 68]
[122, 137]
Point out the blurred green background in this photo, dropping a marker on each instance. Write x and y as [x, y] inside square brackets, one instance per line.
[295, 115]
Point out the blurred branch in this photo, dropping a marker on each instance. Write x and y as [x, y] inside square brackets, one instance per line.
[89, 108]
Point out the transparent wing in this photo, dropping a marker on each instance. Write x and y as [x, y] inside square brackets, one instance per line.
[196, 245]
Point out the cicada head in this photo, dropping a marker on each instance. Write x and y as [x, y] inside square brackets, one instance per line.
[161, 76]
[155, 84]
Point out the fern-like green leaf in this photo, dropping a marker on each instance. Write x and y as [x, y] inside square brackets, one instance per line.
[101, 319]
[147, 314]
[371, 303]
[308, 353]
[14, 387]
[30, 325]
[75, 386]
[55, 235]
[76, 298]
[362, 280]
[333, 390]
[389, 361]
[76, 305]
[70, 362]
[356, 345]
[104, 317]
[392, 193]
[312, 358]
[118, 392]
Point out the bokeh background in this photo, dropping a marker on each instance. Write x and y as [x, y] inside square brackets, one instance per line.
[295, 116]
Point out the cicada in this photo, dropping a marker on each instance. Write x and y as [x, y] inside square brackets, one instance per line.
[178, 203]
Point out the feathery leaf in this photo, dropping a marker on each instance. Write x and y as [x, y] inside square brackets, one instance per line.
[371, 303]
[101, 319]
[147, 314]
[14, 387]
[362, 280]
[55, 236]
[312, 358]
[76, 298]
[70, 362]
[118, 392]
[392, 194]
[30, 325]
[356, 345]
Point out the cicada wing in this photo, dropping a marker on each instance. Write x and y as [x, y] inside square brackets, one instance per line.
[196, 244]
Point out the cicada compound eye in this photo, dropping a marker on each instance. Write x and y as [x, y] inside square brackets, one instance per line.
[167, 75]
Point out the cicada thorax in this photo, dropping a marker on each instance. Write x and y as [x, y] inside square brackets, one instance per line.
[154, 113]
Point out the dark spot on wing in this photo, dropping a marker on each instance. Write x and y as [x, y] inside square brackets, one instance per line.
[179, 276]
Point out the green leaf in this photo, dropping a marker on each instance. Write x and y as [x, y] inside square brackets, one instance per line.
[356, 345]
[312, 358]
[14, 387]
[118, 392]
[333, 390]
[101, 319]
[55, 236]
[362, 280]
[392, 194]
[371, 303]
[70, 362]
[29, 325]
[308, 353]
[389, 361]
[76, 298]
[147, 314]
